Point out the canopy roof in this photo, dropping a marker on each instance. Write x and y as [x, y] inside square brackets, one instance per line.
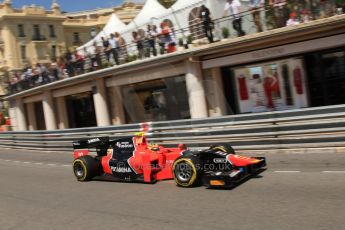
[151, 10]
[114, 24]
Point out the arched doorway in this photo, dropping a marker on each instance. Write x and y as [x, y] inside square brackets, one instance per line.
[195, 25]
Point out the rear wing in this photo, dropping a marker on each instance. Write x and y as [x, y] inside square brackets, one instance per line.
[96, 142]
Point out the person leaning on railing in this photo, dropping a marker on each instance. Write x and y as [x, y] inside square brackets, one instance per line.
[114, 48]
[233, 9]
[280, 12]
[151, 35]
[255, 6]
[140, 46]
[122, 50]
[205, 17]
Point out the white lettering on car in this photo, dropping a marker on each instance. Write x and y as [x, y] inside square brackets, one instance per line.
[219, 160]
[93, 140]
[124, 145]
[121, 169]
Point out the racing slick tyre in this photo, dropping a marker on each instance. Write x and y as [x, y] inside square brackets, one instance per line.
[226, 148]
[85, 168]
[186, 173]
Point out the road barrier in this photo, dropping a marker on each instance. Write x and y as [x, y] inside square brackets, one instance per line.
[317, 127]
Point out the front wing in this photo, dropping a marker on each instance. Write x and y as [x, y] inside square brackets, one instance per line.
[237, 175]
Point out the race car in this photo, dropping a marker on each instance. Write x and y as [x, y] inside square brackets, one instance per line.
[134, 159]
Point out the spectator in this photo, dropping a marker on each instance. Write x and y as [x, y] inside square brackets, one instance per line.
[255, 6]
[114, 46]
[26, 78]
[13, 83]
[61, 66]
[87, 60]
[207, 23]
[233, 8]
[54, 71]
[280, 12]
[122, 45]
[140, 46]
[97, 61]
[151, 38]
[79, 60]
[305, 16]
[160, 38]
[106, 47]
[44, 73]
[292, 20]
[170, 44]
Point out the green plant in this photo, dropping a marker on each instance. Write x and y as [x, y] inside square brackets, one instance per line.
[180, 42]
[105, 65]
[131, 57]
[225, 32]
[189, 39]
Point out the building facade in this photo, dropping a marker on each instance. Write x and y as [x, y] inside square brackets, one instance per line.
[32, 34]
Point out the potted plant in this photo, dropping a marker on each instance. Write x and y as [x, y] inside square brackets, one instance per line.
[225, 32]
[189, 41]
[131, 57]
[180, 44]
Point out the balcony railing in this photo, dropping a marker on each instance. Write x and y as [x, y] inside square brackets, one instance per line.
[39, 38]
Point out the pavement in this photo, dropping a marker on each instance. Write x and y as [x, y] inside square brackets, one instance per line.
[300, 190]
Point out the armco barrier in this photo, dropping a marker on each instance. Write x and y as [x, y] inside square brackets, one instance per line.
[302, 128]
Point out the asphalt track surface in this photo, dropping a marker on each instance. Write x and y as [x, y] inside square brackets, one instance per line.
[300, 190]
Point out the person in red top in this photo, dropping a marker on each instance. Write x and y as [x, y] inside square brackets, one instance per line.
[168, 37]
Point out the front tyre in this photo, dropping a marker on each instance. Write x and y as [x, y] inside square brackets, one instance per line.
[185, 172]
[85, 168]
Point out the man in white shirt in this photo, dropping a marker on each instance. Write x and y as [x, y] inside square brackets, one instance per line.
[114, 48]
[233, 9]
[292, 20]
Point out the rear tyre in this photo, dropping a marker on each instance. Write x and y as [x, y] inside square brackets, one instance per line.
[226, 148]
[186, 173]
[85, 168]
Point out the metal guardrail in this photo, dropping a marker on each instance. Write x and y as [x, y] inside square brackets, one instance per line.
[302, 128]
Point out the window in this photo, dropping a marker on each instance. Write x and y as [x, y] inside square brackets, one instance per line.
[21, 30]
[36, 32]
[52, 31]
[76, 38]
[53, 52]
[23, 51]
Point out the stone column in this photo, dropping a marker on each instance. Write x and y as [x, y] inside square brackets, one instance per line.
[62, 113]
[13, 115]
[20, 115]
[218, 104]
[116, 106]
[48, 110]
[100, 101]
[31, 116]
[195, 90]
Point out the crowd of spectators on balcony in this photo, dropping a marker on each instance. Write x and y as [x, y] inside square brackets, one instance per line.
[158, 40]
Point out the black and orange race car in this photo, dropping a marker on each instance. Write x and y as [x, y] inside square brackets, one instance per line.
[134, 159]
